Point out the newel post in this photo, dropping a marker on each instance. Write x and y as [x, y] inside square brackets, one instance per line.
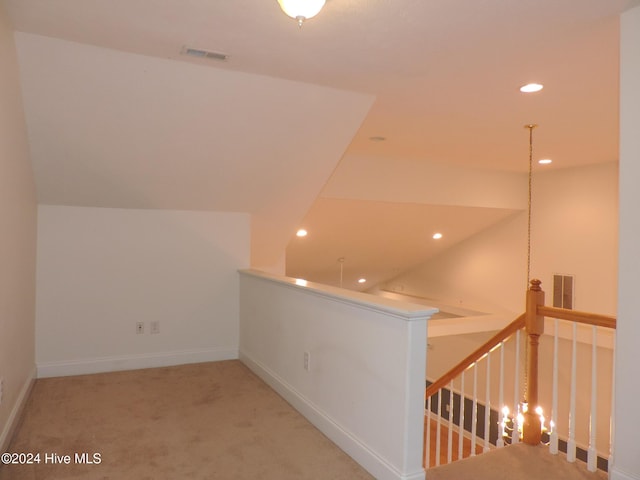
[532, 428]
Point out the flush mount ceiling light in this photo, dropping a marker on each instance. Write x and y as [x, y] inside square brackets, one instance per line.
[301, 233]
[545, 161]
[531, 88]
[362, 280]
[301, 10]
[437, 236]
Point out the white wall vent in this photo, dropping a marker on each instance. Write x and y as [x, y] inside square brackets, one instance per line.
[196, 52]
[563, 291]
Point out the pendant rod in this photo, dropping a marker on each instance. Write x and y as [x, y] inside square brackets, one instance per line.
[530, 126]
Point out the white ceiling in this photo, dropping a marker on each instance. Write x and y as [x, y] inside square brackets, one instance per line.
[118, 117]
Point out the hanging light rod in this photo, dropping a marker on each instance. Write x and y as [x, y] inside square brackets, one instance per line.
[530, 127]
[301, 10]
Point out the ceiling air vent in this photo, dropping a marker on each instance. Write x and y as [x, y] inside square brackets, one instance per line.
[196, 52]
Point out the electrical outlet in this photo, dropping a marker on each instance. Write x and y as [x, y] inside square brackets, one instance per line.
[307, 361]
[155, 327]
[139, 327]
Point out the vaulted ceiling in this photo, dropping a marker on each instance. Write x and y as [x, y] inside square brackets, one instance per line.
[119, 117]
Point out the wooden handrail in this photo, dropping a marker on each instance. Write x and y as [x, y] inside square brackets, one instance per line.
[533, 323]
[477, 354]
[596, 319]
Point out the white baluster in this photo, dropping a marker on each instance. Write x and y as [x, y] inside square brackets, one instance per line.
[571, 443]
[592, 454]
[474, 412]
[553, 421]
[613, 403]
[461, 423]
[500, 439]
[428, 447]
[450, 432]
[516, 392]
[439, 418]
[487, 405]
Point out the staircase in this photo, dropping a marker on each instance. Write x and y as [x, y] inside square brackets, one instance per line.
[515, 462]
[492, 399]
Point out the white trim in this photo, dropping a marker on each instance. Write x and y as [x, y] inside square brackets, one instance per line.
[134, 362]
[616, 474]
[408, 312]
[347, 441]
[16, 412]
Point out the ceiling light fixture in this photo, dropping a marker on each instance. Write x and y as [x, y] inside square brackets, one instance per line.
[301, 233]
[301, 10]
[437, 236]
[545, 161]
[362, 280]
[531, 88]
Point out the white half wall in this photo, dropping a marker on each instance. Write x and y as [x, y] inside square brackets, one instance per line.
[364, 385]
[17, 242]
[626, 460]
[101, 270]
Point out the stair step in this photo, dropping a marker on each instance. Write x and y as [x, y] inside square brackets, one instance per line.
[515, 462]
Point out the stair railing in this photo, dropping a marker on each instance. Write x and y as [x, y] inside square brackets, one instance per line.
[522, 423]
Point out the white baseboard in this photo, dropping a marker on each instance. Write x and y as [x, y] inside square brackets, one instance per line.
[16, 412]
[616, 474]
[348, 442]
[133, 362]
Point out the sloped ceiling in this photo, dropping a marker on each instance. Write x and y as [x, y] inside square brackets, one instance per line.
[118, 117]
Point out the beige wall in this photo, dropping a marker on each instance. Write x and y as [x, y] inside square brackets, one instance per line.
[574, 231]
[17, 239]
[484, 272]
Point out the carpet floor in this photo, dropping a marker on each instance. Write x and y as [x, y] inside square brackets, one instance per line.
[204, 421]
[515, 462]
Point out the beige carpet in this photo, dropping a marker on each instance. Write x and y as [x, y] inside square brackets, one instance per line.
[516, 462]
[205, 421]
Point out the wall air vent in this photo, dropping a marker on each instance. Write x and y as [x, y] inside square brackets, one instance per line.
[563, 294]
[195, 52]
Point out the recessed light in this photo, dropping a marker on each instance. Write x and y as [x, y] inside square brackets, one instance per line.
[362, 280]
[301, 233]
[437, 236]
[531, 87]
[545, 161]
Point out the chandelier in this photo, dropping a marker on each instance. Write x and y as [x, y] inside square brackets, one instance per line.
[301, 10]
